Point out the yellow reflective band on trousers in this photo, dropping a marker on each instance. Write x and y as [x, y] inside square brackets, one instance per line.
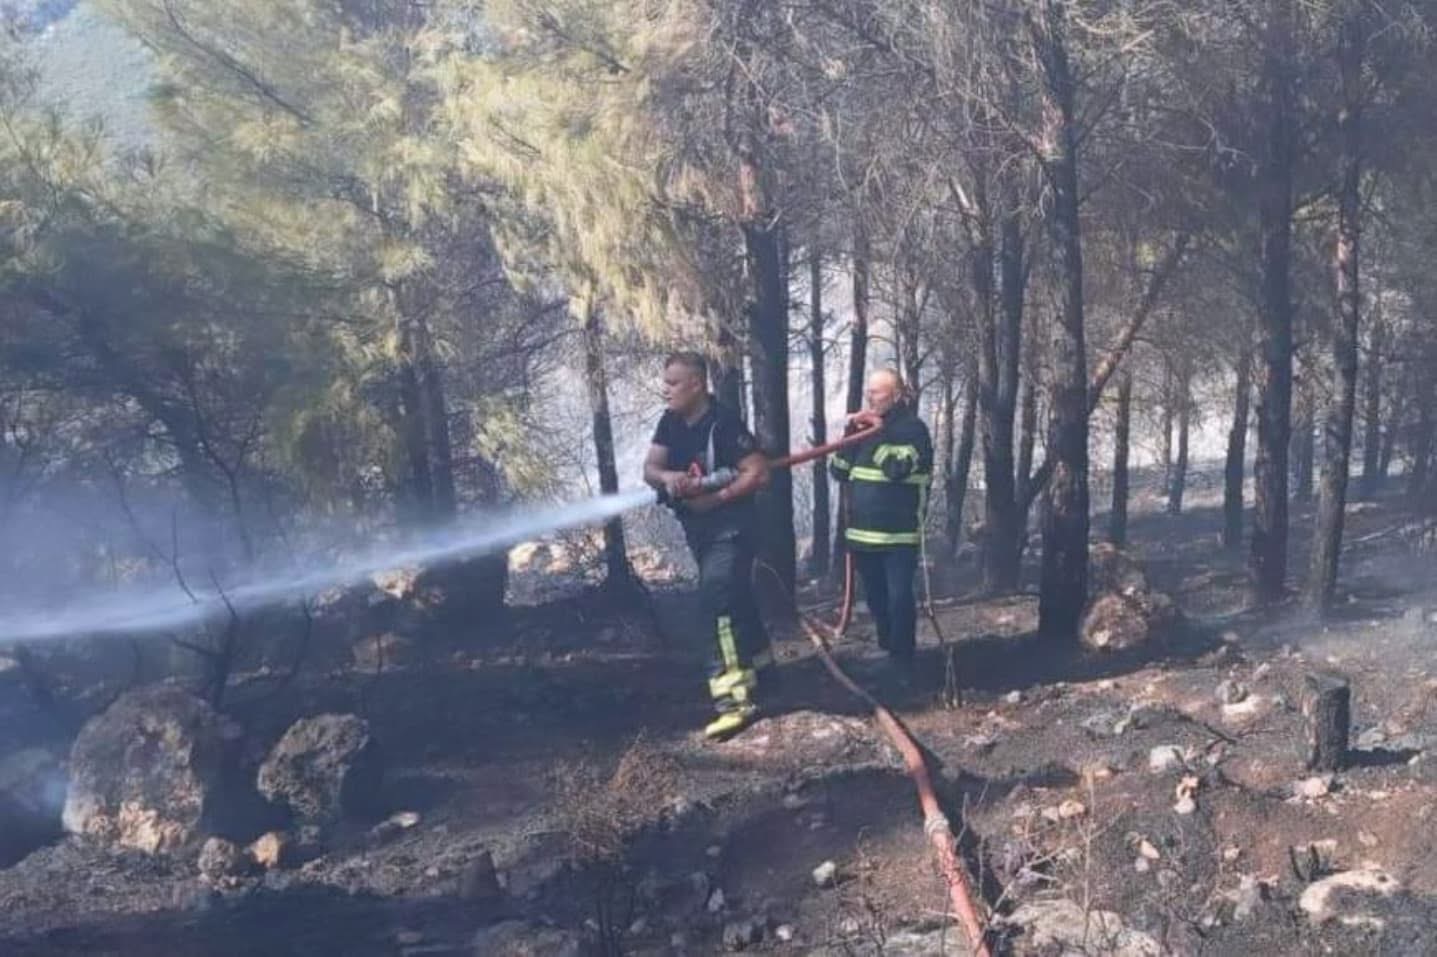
[738, 683]
[728, 645]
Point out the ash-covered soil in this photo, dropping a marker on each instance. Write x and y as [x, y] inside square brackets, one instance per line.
[1149, 802]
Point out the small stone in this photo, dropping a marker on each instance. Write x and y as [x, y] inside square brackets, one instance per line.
[1231, 854]
[1244, 710]
[1164, 758]
[1371, 738]
[784, 933]
[1142, 865]
[1230, 637]
[1071, 809]
[1341, 897]
[639, 928]
[982, 743]
[825, 874]
[793, 802]
[1100, 724]
[716, 901]
[404, 819]
[272, 851]
[221, 859]
[714, 851]
[1186, 792]
[742, 934]
[1098, 771]
[1013, 697]
[1231, 692]
[1314, 787]
[1146, 849]
[1249, 897]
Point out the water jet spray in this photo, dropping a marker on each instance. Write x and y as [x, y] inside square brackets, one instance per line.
[170, 607]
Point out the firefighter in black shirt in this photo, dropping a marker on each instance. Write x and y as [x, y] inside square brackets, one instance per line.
[697, 435]
[888, 477]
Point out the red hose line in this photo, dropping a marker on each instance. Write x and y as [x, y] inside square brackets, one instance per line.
[935, 822]
[869, 424]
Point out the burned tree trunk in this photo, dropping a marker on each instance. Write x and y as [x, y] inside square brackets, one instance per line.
[1004, 529]
[768, 342]
[857, 361]
[909, 332]
[957, 479]
[436, 422]
[728, 376]
[818, 421]
[1337, 464]
[1235, 466]
[1122, 438]
[616, 556]
[1304, 447]
[1178, 486]
[418, 489]
[1268, 556]
[1063, 590]
[858, 336]
[1167, 427]
[1372, 414]
[1027, 438]
[1389, 437]
[1327, 708]
[947, 440]
[1421, 469]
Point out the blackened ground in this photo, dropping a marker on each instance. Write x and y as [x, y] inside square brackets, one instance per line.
[1046, 766]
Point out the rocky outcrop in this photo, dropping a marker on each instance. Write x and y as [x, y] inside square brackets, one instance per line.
[1126, 611]
[150, 772]
[324, 769]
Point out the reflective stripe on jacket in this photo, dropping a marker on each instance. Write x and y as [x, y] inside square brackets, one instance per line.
[888, 476]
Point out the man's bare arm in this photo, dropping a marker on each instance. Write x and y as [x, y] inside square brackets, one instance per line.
[753, 473]
[655, 475]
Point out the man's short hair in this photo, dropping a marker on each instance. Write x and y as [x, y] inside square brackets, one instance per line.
[692, 361]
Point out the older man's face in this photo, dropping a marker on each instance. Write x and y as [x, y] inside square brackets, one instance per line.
[882, 392]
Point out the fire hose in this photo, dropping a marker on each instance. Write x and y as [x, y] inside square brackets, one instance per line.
[935, 823]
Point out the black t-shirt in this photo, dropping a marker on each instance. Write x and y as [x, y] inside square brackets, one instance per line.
[717, 440]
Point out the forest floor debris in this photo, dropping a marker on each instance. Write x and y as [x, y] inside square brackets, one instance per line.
[547, 791]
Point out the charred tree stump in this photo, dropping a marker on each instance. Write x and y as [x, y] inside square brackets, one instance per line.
[1327, 706]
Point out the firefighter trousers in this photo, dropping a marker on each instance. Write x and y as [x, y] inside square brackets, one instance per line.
[888, 575]
[741, 649]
